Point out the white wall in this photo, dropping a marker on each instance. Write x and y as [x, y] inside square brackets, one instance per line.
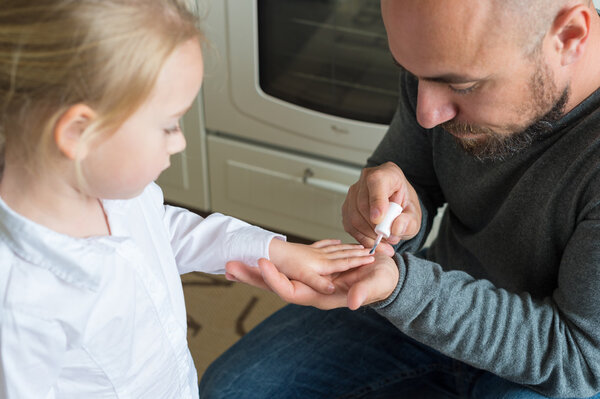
[597, 3]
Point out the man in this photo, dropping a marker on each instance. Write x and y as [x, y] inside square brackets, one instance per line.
[499, 118]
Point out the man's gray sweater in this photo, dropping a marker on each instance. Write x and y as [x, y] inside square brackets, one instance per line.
[512, 283]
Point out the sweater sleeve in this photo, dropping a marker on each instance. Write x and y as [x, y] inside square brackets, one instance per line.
[549, 344]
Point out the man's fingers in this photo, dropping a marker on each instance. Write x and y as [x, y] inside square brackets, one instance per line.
[405, 226]
[241, 272]
[366, 240]
[318, 283]
[399, 228]
[277, 281]
[383, 182]
[370, 283]
[351, 277]
[357, 296]
[360, 228]
[400, 197]
[386, 249]
[297, 292]
[360, 293]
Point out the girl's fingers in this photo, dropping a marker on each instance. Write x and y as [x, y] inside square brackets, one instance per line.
[325, 243]
[341, 247]
[348, 253]
[343, 264]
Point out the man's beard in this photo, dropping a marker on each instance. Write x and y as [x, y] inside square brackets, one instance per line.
[493, 146]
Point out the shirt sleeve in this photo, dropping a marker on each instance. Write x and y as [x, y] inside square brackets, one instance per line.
[207, 244]
[31, 351]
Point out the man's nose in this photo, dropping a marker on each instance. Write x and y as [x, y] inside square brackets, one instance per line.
[434, 104]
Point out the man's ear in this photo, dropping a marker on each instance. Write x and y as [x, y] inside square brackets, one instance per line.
[570, 32]
[70, 127]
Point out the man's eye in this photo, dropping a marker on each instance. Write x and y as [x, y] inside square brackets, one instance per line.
[463, 90]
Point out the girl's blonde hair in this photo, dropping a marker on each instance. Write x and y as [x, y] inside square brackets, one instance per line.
[106, 54]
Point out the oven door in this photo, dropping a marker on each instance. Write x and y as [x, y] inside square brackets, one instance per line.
[310, 75]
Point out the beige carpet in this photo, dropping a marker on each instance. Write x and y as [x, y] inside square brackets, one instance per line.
[219, 312]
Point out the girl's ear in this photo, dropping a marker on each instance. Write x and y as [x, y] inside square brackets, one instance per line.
[70, 127]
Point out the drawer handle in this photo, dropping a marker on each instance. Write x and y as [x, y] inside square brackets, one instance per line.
[309, 179]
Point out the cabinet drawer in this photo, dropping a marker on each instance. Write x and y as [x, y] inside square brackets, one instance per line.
[281, 191]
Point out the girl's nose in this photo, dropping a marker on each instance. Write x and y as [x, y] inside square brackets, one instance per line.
[177, 143]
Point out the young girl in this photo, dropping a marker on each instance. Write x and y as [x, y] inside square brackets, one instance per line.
[91, 303]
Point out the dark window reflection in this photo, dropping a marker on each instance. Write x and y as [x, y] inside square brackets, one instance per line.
[329, 56]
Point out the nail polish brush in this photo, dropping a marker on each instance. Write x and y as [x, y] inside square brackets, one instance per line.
[383, 229]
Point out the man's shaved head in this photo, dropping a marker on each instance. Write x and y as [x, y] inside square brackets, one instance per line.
[492, 72]
[526, 21]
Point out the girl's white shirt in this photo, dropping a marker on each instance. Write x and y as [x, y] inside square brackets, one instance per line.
[105, 316]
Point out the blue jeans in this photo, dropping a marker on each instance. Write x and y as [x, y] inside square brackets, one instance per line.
[305, 353]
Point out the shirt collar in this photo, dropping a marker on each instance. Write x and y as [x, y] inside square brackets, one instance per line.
[79, 261]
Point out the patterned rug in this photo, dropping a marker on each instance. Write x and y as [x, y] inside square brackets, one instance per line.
[219, 312]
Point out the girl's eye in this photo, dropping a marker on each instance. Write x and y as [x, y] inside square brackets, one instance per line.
[171, 130]
[463, 90]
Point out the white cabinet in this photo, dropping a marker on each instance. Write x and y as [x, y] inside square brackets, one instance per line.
[186, 182]
[285, 192]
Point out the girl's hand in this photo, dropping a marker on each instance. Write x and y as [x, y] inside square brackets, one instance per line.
[315, 264]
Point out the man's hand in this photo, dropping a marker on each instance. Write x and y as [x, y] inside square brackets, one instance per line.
[354, 288]
[368, 200]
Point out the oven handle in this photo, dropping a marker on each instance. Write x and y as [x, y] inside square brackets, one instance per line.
[328, 185]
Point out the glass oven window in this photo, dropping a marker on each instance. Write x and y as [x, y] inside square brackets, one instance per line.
[330, 56]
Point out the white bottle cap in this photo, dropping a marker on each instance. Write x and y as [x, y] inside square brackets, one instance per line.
[392, 213]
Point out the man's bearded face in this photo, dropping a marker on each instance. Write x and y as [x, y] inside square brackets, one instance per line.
[546, 104]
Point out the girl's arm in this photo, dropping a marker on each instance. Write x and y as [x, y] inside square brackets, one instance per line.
[207, 244]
